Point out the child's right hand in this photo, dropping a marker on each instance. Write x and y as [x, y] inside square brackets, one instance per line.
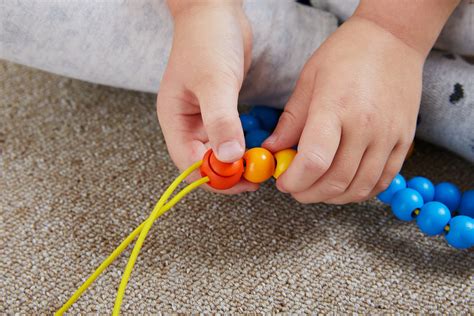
[197, 100]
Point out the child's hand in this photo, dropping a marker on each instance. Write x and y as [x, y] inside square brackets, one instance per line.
[197, 100]
[353, 115]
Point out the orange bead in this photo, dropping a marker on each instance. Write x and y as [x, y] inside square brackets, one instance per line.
[221, 175]
[226, 169]
[283, 160]
[259, 165]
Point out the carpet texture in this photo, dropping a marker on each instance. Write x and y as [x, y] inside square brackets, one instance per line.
[82, 165]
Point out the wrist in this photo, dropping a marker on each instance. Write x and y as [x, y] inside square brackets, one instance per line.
[416, 23]
[375, 42]
[178, 8]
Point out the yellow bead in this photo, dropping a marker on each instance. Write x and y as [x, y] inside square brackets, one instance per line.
[259, 165]
[283, 160]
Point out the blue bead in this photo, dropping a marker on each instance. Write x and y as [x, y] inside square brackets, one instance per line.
[433, 217]
[461, 232]
[249, 122]
[267, 116]
[424, 186]
[397, 184]
[448, 194]
[404, 202]
[466, 207]
[468, 233]
[255, 138]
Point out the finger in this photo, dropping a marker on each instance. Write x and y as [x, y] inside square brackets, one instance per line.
[291, 123]
[367, 176]
[183, 132]
[316, 150]
[185, 136]
[343, 169]
[242, 186]
[392, 167]
[217, 98]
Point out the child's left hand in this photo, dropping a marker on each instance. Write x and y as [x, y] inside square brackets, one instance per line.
[353, 115]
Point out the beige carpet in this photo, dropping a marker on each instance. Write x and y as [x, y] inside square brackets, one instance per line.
[82, 165]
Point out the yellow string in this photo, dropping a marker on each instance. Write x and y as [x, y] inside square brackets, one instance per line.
[99, 270]
[132, 236]
[136, 249]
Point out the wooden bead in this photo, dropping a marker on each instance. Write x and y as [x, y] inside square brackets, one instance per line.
[226, 169]
[259, 165]
[283, 160]
[221, 175]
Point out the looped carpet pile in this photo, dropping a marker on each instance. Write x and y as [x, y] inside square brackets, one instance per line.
[82, 165]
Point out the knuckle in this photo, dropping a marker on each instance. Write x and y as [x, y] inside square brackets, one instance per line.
[361, 194]
[314, 162]
[208, 81]
[365, 188]
[219, 121]
[332, 188]
[288, 118]
[366, 119]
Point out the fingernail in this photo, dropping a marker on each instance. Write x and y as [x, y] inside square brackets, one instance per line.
[230, 151]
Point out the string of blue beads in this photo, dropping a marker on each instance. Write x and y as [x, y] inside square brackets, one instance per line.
[258, 124]
[437, 209]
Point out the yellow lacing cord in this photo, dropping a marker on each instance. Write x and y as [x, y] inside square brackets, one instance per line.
[158, 210]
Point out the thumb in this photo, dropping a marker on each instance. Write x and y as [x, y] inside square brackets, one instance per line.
[218, 102]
